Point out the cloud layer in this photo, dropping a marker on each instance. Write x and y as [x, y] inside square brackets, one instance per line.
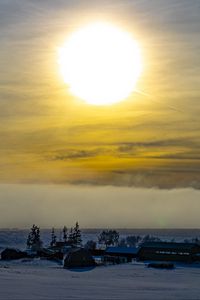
[49, 136]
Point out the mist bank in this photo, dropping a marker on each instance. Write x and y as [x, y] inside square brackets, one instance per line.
[97, 207]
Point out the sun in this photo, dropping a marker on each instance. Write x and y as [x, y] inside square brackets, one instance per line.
[100, 63]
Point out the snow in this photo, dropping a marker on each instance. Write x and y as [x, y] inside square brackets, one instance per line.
[42, 279]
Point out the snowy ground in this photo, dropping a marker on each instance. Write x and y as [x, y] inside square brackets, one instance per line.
[34, 280]
[45, 280]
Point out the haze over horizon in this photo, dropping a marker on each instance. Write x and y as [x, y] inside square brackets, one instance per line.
[97, 207]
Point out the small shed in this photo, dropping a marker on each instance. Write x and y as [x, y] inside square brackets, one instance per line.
[169, 251]
[78, 258]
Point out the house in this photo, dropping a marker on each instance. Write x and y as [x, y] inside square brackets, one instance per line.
[78, 258]
[126, 252]
[169, 251]
[10, 253]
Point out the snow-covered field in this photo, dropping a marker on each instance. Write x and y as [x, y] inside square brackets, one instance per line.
[34, 280]
[41, 279]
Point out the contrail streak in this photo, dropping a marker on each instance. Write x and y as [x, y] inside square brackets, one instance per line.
[158, 102]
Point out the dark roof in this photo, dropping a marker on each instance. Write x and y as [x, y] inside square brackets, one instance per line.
[78, 258]
[170, 245]
[125, 250]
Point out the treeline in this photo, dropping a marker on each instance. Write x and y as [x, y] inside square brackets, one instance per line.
[112, 238]
[68, 238]
[73, 238]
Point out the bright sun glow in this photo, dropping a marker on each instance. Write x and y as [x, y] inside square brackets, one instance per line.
[100, 63]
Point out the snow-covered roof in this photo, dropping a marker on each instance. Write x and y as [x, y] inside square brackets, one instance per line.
[125, 250]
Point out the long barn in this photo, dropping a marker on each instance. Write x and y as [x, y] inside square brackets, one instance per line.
[168, 251]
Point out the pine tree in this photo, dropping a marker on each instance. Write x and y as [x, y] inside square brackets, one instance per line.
[71, 237]
[77, 235]
[33, 241]
[65, 234]
[53, 238]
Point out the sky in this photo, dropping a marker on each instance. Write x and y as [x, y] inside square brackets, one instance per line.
[147, 144]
